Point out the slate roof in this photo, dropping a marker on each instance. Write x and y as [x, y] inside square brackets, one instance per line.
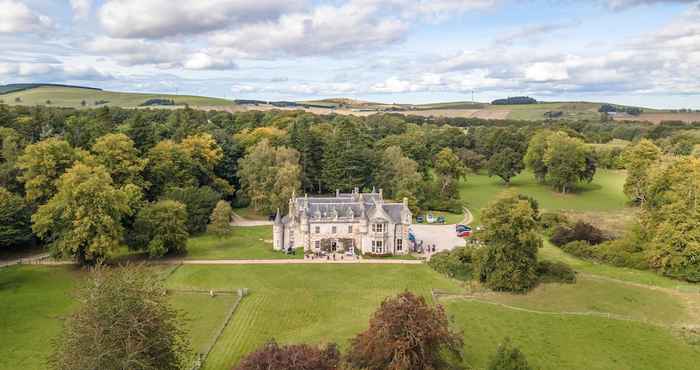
[361, 205]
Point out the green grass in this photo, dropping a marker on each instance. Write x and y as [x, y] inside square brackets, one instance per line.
[569, 342]
[533, 112]
[33, 299]
[250, 214]
[604, 194]
[72, 97]
[303, 303]
[244, 243]
[203, 315]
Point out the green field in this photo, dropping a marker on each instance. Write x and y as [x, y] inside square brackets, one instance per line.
[244, 243]
[72, 97]
[556, 326]
[533, 112]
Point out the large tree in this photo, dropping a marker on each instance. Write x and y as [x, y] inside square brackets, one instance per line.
[169, 165]
[269, 176]
[83, 219]
[347, 158]
[560, 160]
[15, 220]
[117, 153]
[160, 228]
[199, 203]
[272, 356]
[41, 166]
[398, 175]
[509, 260]
[505, 164]
[638, 159]
[124, 320]
[11, 147]
[671, 218]
[220, 219]
[406, 333]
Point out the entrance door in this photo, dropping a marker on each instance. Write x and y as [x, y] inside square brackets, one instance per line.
[334, 246]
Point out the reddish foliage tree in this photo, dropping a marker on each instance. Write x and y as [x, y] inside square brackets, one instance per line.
[406, 333]
[272, 356]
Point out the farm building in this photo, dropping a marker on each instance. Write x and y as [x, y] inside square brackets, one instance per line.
[347, 222]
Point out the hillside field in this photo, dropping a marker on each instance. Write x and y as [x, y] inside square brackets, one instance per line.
[72, 97]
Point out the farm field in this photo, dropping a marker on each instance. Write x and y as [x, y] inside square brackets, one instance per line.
[658, 117]
[72, 97]
[244, 243]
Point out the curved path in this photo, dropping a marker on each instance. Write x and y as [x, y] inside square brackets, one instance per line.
[244, 222]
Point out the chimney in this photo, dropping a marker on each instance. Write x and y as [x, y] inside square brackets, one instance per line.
[337, 193]
[405, 202]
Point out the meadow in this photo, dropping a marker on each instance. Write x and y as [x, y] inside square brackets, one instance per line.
[72, 97]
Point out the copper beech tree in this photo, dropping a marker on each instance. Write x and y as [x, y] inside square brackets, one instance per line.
[406, 333]
[272, 356]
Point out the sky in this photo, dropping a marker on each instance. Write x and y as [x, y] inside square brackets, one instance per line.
[637, 52]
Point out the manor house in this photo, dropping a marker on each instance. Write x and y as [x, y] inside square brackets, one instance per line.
[354, 222]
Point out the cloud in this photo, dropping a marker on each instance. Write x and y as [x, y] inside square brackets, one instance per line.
[81, 8]
[133, 52]
[325, 30]
[531, 32]
[544, 72]
[201, 61]
[626, 4]
[16, 17]
[52, 72]
[163, 18]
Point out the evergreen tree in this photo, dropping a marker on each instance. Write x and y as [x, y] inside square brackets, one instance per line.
[347, 159]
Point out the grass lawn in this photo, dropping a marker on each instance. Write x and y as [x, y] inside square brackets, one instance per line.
[604, 194]
[569, 342]
[203, 315]
[250, 214]
[244, 243]
[302, 303]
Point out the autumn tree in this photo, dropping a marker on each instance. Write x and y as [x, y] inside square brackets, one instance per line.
[269, 176]
[508, 357]
[15, 220]
[42, 164]
[124, 320]
[291, 357]
[671, 218]
[406, 333]
[220, 219]
[638, 159]
[168, 166]
[117, 153]
[83, 219]
[160, 228]
[509, 260]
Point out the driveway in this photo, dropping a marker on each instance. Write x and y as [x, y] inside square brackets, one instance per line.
[444, 237]
[244, 222]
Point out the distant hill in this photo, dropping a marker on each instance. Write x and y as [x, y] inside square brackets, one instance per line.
[88, 97]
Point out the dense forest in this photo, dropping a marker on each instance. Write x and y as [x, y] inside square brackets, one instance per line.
[87, 181]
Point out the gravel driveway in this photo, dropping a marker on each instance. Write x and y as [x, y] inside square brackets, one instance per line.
[443, 236]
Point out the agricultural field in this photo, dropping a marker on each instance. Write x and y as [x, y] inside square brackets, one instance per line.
[658, 117]
[73, 96]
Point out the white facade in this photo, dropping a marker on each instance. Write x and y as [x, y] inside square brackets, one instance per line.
[355, 222]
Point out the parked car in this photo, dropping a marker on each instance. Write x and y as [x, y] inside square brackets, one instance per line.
[430, 218]
[464, 234]
[419, 219]
[441, 219]
[460, 228]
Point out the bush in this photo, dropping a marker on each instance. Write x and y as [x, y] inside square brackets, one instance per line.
[292, 357]
[620, 253]
[151, 102]
[581, 231]
[549, 220]
[555, 272]
[455, 264]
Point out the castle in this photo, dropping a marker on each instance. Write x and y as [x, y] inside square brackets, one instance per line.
[348, 222]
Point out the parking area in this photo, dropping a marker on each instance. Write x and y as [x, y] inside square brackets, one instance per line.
[444, 237]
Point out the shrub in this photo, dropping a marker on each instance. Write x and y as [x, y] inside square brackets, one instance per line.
[555, 272]
[508, 357]
[581, 231]
[456, 263]
[550, 220]
[579, 248]
[292, 357]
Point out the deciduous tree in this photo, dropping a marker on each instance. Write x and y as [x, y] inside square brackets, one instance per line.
[199, 203]
[83, 219]
[508, 357]
[15, 220]
[42, 164]
[124, 320]
[161, 228]
[638, 159]
[406, 333]
[117, 153]
[220, 219]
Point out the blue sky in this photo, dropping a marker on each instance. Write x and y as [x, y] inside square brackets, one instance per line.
[644, 52]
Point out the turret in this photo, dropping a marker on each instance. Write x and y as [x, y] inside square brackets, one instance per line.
[278, 232]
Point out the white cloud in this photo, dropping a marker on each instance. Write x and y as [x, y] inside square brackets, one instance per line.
[52, 72]
[205, 61]
[625, 4]
[17, 17]
[325, 30]
[163, 18]
[132, 52]
[81, 8]
[544, 71]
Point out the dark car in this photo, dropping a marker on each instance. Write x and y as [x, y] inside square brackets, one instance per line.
[420, 219]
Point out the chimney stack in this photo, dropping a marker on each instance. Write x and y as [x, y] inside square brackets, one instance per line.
[405, 202]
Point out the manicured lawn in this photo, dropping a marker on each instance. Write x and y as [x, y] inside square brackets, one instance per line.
[604, 194]
[33, 299]
[203, 315]
[570, 342]
[253, 242]
[303, 303]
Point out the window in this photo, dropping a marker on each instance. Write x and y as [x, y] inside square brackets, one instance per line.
[378, 228]
[350, 229]
[378, 246]
[399, 244]
[317, 230]
[334, 229]
[317, 244]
